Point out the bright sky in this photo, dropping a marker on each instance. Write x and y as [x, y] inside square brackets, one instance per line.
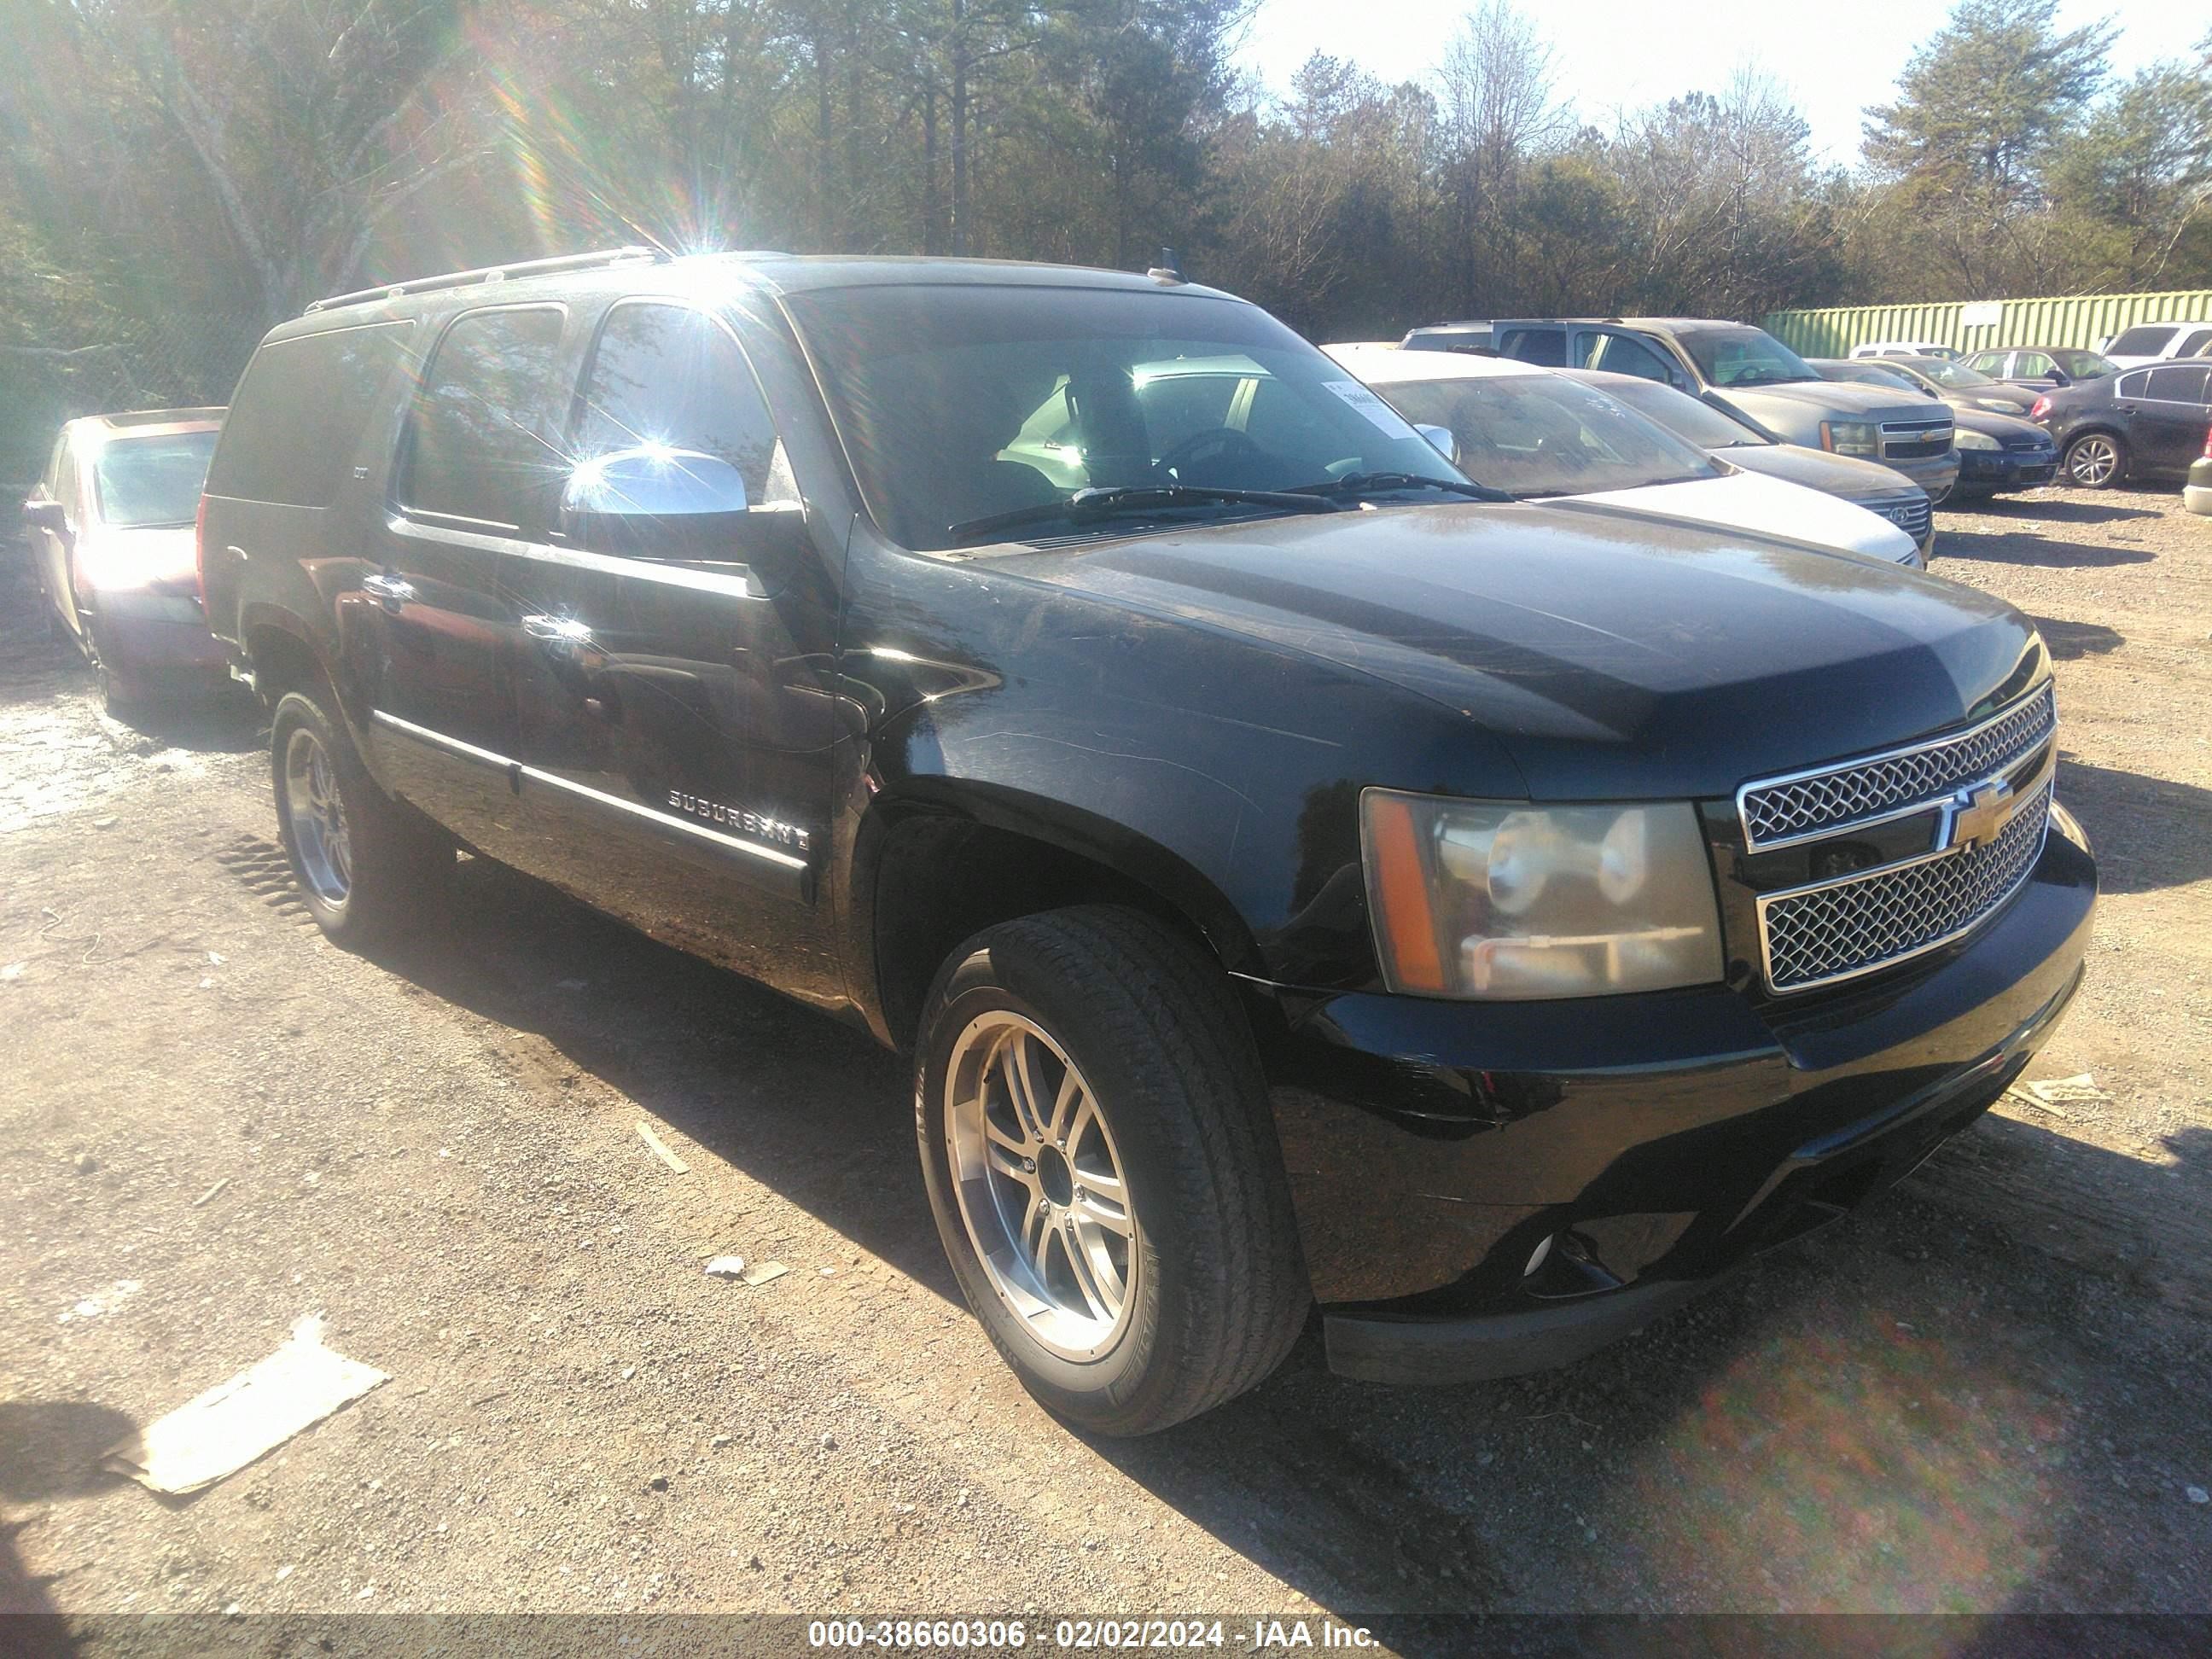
[1614, 54]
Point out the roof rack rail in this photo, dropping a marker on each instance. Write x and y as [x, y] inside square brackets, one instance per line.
[609, 256]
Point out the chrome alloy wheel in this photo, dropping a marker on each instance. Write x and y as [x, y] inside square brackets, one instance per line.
[1040, 1185]
[2092, 460]
[320, 842]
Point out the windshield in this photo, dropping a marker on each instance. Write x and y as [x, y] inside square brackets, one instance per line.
[1691, 421]
[1543, 434]
[141, 481]
[1743, 356]
[1867, 372]
[2085, 365]
[960, 403]
[1954, 377]
[2144, 340]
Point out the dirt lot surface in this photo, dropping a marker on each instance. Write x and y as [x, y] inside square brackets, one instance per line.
[1987, 1392]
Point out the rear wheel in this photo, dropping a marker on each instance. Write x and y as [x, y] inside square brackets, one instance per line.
[366, 864]
[1096, 1142]
[2095, 460]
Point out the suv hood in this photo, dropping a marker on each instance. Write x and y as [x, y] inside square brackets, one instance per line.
[1836, 397]
[1846, 476]
[1615, 657]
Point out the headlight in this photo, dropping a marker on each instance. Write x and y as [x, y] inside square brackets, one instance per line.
[1976, 441]
[1862, 438]
[1507, 903]
[1997, 406]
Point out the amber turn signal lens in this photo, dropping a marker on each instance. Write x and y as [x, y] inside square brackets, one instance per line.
[1400, 890]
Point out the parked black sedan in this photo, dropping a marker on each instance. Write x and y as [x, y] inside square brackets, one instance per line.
[1997, 452]
[2148, 423]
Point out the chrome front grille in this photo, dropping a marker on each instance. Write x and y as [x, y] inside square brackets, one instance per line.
[1777, 811]
[1910, 514]
[1816, 936]
[1909, 440]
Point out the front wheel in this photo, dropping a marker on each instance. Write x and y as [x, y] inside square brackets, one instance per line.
[366, 864]
[2096, 460]
[1096, 1141]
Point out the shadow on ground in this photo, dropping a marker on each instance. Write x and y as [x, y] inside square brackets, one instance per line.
[1926, 1407]
[49, 1449]
[2149, 832]
[2070, 641]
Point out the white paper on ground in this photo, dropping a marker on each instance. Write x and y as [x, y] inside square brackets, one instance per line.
[236, 1422]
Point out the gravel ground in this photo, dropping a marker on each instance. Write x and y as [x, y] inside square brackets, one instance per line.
[1985, 1393]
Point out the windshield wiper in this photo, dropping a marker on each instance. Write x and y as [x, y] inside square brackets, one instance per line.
[1376, 483]
[1104, 501]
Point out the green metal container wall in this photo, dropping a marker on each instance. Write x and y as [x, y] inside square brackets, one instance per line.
[2081, 320]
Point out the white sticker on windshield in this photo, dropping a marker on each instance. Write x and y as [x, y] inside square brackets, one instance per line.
[1372, 407]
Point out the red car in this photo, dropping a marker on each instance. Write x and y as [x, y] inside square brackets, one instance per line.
[110, 527]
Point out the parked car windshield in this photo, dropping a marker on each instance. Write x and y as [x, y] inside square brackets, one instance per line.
[142, 482]
[1689, 419]
[1543, 434]
[1869, 372]
[1952, 377]
[2145, 340]
[957, 404]
[2085, 365]
[1743, 356]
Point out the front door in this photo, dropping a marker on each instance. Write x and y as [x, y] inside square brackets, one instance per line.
[672, 718]
[429, 631]
[2168, 427]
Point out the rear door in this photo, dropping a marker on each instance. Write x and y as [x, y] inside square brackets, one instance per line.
[674, 722]
[2168, 430]
[478, 470]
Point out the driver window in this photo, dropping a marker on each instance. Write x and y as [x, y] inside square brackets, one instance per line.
[667, 377]
[2034, 366]
[1619, 355]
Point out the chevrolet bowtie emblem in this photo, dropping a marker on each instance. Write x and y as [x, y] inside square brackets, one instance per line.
[1979, 815]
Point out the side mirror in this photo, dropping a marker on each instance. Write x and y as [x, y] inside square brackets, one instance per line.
[1441, 439]
[655, 503]
[47, 515]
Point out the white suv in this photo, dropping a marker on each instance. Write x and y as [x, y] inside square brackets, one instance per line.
[1906, 349]
[2155, 343]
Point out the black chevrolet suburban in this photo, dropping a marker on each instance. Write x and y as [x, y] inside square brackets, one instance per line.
[1298, 876]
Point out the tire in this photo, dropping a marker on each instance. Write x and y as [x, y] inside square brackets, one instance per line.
[371, 867]
[117, 696]
[1179, 1139]
[2095, 460]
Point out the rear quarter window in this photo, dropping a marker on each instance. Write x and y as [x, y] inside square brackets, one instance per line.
[298, 413]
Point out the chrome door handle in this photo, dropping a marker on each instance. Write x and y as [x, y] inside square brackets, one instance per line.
[557, 630]
[390, 592]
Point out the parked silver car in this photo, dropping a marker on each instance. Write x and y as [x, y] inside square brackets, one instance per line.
[1742, 370]
[1879, 488]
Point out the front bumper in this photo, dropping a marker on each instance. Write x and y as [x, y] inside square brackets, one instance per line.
[1936, 474]
[2197, 494]
[1487, 1189]
[1992, 470]
[143, 634]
